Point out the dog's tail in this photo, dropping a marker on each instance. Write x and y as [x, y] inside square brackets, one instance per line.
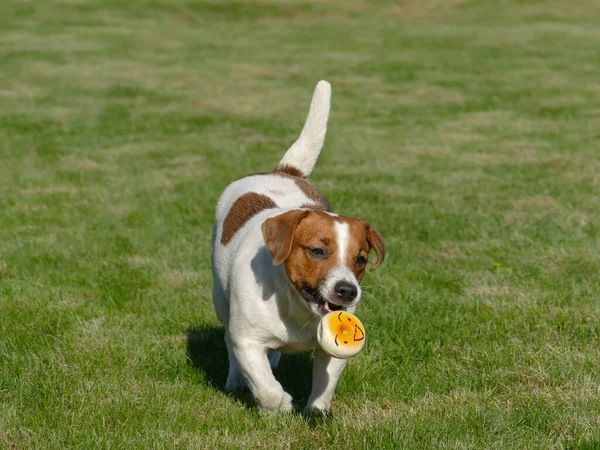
[302, 156]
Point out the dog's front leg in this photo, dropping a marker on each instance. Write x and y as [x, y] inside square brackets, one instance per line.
[327, 371]
[254, 364]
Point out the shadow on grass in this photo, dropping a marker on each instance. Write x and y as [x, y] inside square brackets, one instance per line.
[208, 353]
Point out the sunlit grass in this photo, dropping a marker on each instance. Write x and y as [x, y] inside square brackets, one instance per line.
[465, 131]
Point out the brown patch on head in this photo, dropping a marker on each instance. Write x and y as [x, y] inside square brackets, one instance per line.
[245, 207]
[278, 233]
[357, 252]
[292, 237]
[375, 240]
[315, 230]
[363, 238]
[290, 170]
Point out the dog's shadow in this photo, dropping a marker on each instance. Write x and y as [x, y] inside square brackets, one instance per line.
[207, 352]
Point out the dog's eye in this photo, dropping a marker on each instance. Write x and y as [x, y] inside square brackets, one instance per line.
[318, 252]
[361, 261]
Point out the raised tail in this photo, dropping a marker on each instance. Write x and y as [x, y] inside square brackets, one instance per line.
[302, 156]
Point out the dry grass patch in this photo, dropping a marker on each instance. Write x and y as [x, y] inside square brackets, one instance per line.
[558, 9]
[137, 261]
[446, 115]
[434, 150]
[485, 290]
[188, 167]
[536, 202]
[181, 277]
[81, 164]
[279, 72]
[419, 95]
[482, 120]
[415, 9]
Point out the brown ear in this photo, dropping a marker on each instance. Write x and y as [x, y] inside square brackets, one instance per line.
[375, 240]
[278, 233]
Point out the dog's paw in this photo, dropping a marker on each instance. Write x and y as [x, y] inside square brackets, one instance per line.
[317, 410]
[279, 402]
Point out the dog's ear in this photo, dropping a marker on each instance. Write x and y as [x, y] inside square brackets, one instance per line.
[375, 240]
[278, 233]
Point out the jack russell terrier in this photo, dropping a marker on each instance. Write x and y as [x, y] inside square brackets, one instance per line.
[281, 260]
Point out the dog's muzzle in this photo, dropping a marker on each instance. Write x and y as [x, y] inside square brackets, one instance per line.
[321, 304]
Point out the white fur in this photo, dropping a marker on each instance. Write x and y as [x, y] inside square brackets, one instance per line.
[342, 234]
[261, 311]
[304, 152]
[341, 272]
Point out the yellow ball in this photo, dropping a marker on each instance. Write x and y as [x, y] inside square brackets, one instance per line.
[341, 334]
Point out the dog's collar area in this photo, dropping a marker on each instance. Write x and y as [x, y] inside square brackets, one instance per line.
[323, 305]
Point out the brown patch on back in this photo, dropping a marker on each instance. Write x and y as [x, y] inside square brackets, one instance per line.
[319, 202]
[310, 206]
[244, 208]
[290, 170]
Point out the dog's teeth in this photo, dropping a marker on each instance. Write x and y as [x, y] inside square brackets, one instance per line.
[334, 307]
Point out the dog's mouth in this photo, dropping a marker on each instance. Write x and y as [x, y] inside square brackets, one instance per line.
[322, 305]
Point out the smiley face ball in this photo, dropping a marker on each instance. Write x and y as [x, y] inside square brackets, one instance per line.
[341, 334]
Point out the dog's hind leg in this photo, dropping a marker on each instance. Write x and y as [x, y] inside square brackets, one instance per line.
[274, 358]
[220, 302]
[235, 380]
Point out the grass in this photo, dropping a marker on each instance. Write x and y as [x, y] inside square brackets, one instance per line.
[466, 131]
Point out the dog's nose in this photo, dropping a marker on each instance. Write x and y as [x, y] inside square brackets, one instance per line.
[346, 291]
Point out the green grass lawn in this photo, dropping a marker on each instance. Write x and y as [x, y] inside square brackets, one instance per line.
[466, 131]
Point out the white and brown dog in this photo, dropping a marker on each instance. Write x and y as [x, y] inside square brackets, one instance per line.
[281, 260]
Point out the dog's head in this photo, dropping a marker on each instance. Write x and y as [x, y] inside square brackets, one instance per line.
[325, 255]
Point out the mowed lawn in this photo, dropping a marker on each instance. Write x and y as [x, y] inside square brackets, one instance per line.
[466, 131]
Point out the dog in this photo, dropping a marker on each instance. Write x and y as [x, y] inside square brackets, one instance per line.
[281, 260]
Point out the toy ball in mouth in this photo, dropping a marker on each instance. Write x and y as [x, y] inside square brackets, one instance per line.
[341, 334]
